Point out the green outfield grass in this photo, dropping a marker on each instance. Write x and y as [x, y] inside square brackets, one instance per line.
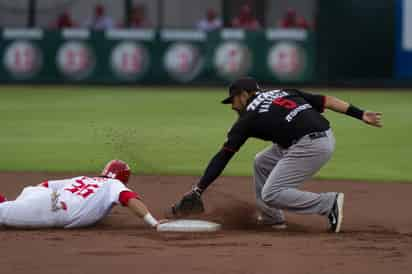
[176, 131]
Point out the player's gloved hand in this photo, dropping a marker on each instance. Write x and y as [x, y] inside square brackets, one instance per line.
[191, 203]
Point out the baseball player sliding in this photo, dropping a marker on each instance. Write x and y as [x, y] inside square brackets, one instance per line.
[302, 140]
[76, 202]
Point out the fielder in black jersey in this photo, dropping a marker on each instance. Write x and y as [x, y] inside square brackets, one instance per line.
[302, 143]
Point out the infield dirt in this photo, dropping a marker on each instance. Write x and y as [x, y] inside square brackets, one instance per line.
[376, 237]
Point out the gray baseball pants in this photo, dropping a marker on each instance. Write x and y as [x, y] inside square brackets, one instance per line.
[278, 173]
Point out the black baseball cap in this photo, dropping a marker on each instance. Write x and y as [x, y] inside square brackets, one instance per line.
[247, 84]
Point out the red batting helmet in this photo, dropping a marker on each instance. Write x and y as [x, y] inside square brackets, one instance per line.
[117, 169]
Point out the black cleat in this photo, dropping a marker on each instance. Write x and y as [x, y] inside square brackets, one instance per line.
[336, 215]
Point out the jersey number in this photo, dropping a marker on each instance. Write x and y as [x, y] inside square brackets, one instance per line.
[286, 103]
[82, 189]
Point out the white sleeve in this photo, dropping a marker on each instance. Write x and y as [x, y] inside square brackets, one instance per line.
[201, 25]
[108, 23]
[116, 187]
[87, 23]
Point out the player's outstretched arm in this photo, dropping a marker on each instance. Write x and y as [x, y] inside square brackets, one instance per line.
[369, 117]
[140, 209]
[191, 202]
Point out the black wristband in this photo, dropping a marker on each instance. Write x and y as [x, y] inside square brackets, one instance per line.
[355, 112]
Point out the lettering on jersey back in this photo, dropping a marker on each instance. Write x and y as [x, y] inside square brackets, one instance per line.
[82, 188]
[264, 100]
[296, 111]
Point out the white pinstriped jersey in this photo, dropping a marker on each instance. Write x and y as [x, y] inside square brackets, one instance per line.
[86, 200]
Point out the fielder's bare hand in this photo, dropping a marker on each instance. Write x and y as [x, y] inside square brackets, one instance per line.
[372, 118]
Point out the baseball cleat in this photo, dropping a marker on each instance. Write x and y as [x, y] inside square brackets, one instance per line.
[280, 226]
[275, 225]
[336, 215]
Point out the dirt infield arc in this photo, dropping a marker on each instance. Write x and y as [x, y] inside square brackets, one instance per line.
[376, 238]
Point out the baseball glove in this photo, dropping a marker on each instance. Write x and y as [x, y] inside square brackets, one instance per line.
[191, 203]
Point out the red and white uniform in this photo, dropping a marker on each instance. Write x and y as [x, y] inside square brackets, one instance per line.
[68, 203]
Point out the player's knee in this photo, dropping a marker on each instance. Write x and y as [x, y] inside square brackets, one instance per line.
[269, 199]
[258, 163]
[270, 196]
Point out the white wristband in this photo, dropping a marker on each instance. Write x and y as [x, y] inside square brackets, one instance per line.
[149, 219]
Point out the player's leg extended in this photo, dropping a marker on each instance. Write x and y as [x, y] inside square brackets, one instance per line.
[300, 163]
[264, 163]
[32, 209]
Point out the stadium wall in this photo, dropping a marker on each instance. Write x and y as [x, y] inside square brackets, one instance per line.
[167, 56]
[356, 41]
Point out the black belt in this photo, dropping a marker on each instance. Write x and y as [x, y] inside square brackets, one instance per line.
[317, 135]
[312, 136]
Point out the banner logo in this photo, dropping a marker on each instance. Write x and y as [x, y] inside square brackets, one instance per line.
[22, 59]
[183, 61]
[286, 61]
[232, 59]
[129, 60]
[75, 60]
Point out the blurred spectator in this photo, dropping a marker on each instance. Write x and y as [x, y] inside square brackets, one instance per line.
[210, 22]
[245, 19]
[293, 21]
[64, 20]
[289, 20]
[138, 17]
[99, 20]
[302, 23]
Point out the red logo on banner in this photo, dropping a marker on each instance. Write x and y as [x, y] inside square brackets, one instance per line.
[129, 60]
[232, 60]
[23, 59]
[286, 60]
[183, 61]
[75, 59]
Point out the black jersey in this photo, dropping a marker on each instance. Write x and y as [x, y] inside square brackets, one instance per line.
[281, 116]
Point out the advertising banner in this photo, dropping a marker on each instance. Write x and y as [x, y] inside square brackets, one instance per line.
[165, 56]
